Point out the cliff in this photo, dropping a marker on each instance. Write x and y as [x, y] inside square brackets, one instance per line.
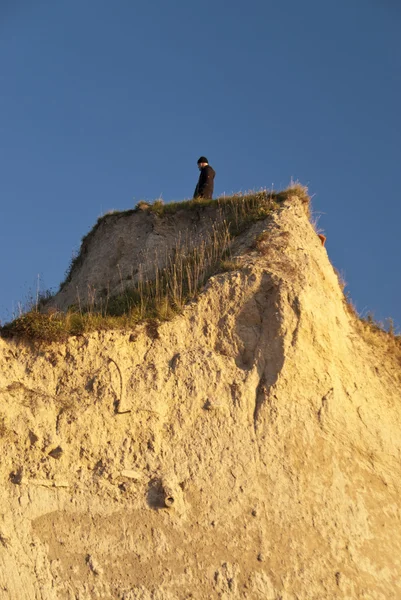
[247, 449]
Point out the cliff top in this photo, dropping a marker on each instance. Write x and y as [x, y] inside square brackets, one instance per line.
[148, 262]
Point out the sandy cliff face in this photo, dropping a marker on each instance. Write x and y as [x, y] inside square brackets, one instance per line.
[124, 247]
[261, 416]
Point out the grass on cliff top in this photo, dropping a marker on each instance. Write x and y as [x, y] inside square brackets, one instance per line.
[230, 205]
[171, 288]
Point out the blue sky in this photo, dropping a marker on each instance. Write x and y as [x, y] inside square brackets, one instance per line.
[103, 104]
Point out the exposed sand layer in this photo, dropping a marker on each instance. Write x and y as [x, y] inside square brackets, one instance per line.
[125, 247]
[248, 449]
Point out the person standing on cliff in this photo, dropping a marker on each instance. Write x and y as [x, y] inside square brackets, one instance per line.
[205, 185]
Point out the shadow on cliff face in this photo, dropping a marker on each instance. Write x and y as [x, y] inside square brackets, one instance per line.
[155, 496]
[261, 341]
[126, 548]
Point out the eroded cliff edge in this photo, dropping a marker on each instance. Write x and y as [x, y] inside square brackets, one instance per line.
[263, 411]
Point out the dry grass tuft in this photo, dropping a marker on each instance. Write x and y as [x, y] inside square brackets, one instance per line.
[379, 335]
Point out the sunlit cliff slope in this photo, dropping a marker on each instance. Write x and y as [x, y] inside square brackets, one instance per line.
[249, 448]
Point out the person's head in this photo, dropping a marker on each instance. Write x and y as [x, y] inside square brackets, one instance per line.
[202, 162]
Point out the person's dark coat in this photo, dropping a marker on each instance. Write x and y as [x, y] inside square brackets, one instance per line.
[205, 185]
